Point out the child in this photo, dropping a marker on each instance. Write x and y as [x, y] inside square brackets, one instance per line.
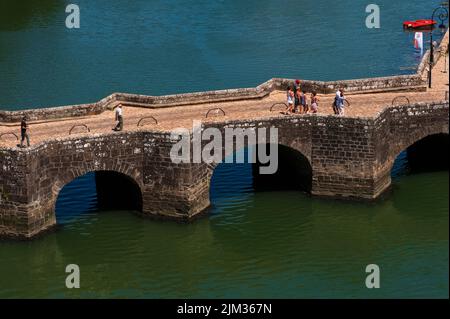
[314, 102]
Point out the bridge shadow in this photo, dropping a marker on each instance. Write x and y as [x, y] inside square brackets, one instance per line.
[420, 183]
[430, 154]
[95, 192]
[294, 173]
[234, 184]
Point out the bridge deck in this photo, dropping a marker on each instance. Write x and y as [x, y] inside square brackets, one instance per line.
[362, 105]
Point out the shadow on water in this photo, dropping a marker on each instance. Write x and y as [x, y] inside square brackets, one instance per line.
[294, 172]
[427, 157]
[430, 154]
[237, 182]
[18, 14]
[95, 192]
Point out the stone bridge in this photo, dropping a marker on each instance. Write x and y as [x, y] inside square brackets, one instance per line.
[348, 157]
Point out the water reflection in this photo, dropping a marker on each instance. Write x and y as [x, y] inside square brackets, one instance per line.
[19, 14]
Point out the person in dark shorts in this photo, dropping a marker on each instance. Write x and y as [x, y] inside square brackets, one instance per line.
[24, 130]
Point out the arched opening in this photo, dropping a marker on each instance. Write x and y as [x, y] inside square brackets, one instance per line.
[98, 191]
[429, 154]
[232, 184]
[294, 172]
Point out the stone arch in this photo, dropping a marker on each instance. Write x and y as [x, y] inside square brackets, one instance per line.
[71, 174]
[413, 138]
[298, 144]
[295, 149]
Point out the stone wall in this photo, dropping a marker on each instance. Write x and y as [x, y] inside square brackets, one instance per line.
[349, 157]
[42, 114]
[14, 214]
[170, 190]
[31, 179]
[343, 157]
[390, 83]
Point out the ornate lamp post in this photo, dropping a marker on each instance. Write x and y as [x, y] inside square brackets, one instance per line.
[442, 15]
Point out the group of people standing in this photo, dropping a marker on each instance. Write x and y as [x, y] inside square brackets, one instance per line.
[297, 101]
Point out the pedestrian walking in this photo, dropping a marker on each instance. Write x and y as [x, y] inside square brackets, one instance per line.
[24, 132]
[336, 101]
[119, 118]
[340, 104]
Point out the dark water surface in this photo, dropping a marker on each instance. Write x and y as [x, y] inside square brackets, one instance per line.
[253, 244]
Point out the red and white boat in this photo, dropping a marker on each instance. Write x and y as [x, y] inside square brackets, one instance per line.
[418, 24]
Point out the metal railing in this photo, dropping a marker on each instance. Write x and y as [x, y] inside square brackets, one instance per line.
[9, 133]
[276, 104]
[217, 109]
[146, 118]
[79, 125]
[398, 98]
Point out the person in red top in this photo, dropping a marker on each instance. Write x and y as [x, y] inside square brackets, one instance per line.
[296, 85]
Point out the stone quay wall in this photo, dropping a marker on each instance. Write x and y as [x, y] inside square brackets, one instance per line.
[349, 158]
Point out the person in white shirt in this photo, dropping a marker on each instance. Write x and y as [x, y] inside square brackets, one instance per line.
[119, 118]
[340, 104]
[336, 101]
